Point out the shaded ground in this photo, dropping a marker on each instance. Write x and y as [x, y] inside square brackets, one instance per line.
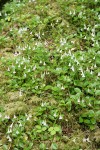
[43, 103]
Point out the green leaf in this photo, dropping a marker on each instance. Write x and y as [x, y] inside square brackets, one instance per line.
[98, 114]
[51, 117]
[38, 127]
[44, 128]
[48, 87]
[50, 129]
[92, 127]
[38, 131]
[97, 93]
[80, 119]
[87, 121]
[68, 104]
[54, 146]
[5, 147]
[56, 89]
[57, 128]
[93, 121]
[91, 113]
[42, 146]
[84, 115]
[53, 132]
[77, 90]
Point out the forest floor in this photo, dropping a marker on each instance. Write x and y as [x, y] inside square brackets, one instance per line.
[50, 75]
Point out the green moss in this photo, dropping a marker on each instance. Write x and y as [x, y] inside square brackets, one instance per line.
[97, 136]
[15, 96]
[17, 107]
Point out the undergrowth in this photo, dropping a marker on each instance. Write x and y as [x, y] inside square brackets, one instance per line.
[50, 75]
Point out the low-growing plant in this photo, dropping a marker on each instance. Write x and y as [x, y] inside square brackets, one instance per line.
[54, 54]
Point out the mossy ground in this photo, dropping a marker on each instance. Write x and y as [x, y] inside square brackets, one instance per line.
[23, 25]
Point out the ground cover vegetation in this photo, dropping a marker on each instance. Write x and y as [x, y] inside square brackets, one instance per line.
[50, 75]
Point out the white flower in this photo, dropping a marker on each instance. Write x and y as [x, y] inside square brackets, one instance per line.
[63, 41]
[60, 117]
[80, 14]
[82, 100]
[20, 92]
[34, 67]
[62, 88]
[74, 140]
[84, 26]
[69, 64]
[95, 66]
[8, 69]
[83, 75]
[91, 72]
[15, 117]
[87, 69]
[44, 63]
[85, 37]
[11, 125]
[61, 56]
[25, 67]
[55, 115]
[72, 68]
[42, 75]
[60, 51]
[84, 139]
[88, 140]
[70, 13]
[22, 62]
[9, 131]
[29, 116]
[28, 70]
[97, 43]
[43, 104]
[40, 61]
[93, 30]
[77, 62]
[89, 104]
[9, 138]
[24, 75]
[7, 117]
[93, 35]
[19, 66]
[78, 101]
[88, 29]
[0, 115]
[14, 72]
[16, 62]
[69, 52]
[44, 123]
[72, 56]
[23, 59]
[98, 74]
[17, 132]
[74, 12]
[20, 125]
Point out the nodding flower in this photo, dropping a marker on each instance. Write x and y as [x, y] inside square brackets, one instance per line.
[72, 68]
[20, 92]
[9, 138]
[44, 123]
[60, 117]
[8, 69]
